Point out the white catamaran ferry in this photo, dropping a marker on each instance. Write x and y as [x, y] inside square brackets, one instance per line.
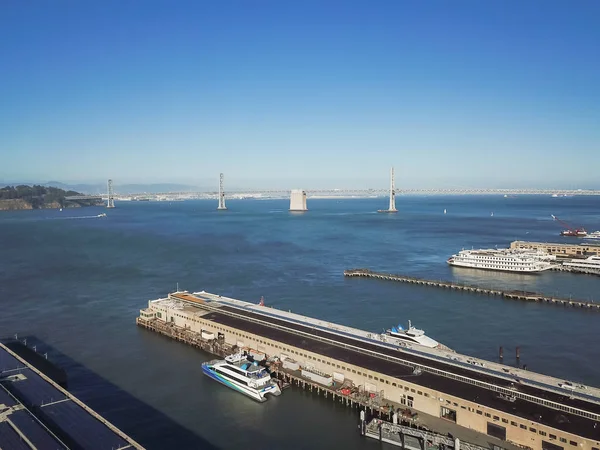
[236, 372]
[509, 260]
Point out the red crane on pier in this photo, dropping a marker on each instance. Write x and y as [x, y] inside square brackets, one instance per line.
[577, 232]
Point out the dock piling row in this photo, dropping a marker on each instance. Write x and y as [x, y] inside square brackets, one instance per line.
[216, 346]
[513, 295]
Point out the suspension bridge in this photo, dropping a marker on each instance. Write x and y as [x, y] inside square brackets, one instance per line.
[353, 192]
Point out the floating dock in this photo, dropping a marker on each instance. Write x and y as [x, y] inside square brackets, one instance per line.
[366, 370]
[36, 413]
[414, 436]
[514, 295]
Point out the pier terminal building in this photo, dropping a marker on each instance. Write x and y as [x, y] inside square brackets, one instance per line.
[523, 408]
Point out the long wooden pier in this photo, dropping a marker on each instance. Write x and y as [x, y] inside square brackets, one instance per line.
[514, 295]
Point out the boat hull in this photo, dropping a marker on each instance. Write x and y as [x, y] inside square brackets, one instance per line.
[257, 395]
[594, 235]
[492, 269]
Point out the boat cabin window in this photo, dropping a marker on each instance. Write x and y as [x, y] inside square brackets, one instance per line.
[236, 370]
[221, 372]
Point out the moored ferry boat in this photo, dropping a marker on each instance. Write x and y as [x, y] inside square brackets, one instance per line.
[242, 375]
[505, 260]
[591, 263]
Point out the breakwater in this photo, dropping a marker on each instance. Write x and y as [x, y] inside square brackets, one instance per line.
[512, 294]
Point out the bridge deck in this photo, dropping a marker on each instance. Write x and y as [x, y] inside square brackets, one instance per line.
[359, 192]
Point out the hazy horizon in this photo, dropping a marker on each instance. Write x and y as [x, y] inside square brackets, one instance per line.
[302, 95]
[99, 185]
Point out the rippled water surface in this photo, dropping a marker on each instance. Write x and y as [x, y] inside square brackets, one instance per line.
[76, 282]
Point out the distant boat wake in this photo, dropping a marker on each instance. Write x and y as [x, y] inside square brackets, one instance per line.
[97, 216]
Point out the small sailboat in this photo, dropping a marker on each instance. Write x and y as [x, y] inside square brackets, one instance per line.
[492, 215]
[60, 210]
[444, 211]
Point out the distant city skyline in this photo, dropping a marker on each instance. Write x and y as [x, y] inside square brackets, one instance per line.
[305, 95]
[99, 186]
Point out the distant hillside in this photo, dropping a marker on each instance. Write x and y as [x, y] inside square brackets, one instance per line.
[85, 188]
[39, 197]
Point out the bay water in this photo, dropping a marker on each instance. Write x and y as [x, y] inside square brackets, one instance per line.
[74, 283]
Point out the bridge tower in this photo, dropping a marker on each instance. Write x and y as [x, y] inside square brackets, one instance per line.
[221, 194]
[392, 207]
[392, 192]
[111, 195]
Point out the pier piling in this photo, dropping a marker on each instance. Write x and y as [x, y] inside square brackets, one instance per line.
[513, 295]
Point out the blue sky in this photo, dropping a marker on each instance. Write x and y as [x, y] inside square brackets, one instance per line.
[302, 94]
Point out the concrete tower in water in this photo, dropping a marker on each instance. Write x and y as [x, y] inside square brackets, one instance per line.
[392, 207]
[298, 200]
